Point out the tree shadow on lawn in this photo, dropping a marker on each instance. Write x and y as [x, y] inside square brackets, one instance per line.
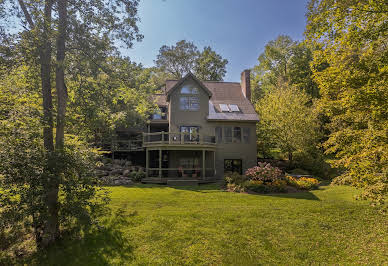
[98, 247]
[307, 195]
[202, 188]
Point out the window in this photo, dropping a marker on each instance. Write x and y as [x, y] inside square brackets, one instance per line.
[224, 108]
[189, 90]
[191, 133]
[233, 108]
[233, 165]
[246, 134]
[237, 134]
[219, 134]
[161, 114]
[190, 103]
[228, 134]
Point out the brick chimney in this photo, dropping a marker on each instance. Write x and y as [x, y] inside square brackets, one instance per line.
[246, 83]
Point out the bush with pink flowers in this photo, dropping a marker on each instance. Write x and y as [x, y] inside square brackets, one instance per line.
[264, 172]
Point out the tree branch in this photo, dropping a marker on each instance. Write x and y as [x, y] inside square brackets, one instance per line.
[26, 13]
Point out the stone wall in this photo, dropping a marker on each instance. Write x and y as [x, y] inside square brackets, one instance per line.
[117, 172]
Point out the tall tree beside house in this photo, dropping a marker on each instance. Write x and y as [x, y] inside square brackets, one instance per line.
[352, 74]
[210, 65]
[177, 60]
[61, 26]
[283, 60]
[287, 121]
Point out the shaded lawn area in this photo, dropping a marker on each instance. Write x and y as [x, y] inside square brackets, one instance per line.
[204, 225]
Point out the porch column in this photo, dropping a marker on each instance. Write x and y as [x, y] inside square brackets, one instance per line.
[160, 163]
[214, 163]
[147, 162]
[203, 164]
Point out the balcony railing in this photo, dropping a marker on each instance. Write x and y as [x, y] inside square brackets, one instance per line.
[127, 145]
[177, 138]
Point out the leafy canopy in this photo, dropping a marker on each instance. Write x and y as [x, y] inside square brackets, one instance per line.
[177, 60]
[351, 69]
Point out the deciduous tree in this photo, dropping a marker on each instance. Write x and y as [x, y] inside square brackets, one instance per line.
[352, 74]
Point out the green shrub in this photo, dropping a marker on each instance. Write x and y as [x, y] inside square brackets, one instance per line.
[267, 187]
[235, 178]
[298, 171]
[140, 175]
[137, 176]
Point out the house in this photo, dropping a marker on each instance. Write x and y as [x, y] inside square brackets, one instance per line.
[203, 129]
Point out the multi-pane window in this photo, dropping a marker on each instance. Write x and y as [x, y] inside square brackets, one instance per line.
[246, 134]
[190, 103]
[237, 134]
[233, 165]
[161, 114]
[190, 133]
[219, 134]
[228, 134]
[189, 90]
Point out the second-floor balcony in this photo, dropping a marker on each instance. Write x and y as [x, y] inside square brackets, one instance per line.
[177, 139]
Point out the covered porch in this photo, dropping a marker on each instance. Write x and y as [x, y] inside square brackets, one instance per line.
[168, 163]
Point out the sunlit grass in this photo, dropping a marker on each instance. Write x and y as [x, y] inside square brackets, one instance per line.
[205, 225]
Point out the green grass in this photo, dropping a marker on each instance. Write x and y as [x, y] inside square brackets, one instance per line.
[204, 225]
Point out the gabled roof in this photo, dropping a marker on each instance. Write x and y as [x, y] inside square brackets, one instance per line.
[220, 92]
[182, 80]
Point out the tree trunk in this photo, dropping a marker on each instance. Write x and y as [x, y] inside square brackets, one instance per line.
[290, 158]
[52, 226]
[50, 230]
[48, 137]
[60, 74]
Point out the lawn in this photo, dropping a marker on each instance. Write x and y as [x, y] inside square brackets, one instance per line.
[205, 225]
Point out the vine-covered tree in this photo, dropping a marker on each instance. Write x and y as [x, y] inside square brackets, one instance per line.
[352, 74]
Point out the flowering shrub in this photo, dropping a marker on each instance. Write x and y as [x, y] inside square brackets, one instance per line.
[305, 183]
[264, 172]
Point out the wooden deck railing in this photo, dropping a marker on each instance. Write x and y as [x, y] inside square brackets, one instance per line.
[177, 138]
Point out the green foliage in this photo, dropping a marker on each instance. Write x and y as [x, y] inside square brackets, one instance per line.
[137, 176]
[113, 98]
[351, 70]
[27, 170]
[210, 65]
[283, 61]
[185, 57]
[278, 186]
[287, 120]
[235, 182]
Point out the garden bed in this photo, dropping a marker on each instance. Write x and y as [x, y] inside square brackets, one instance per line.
[264, 179]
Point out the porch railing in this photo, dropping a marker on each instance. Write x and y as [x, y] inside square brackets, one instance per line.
[127, 145]
[177, 138]
[181, 173]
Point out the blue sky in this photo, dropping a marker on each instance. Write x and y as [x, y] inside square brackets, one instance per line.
[236, 29]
